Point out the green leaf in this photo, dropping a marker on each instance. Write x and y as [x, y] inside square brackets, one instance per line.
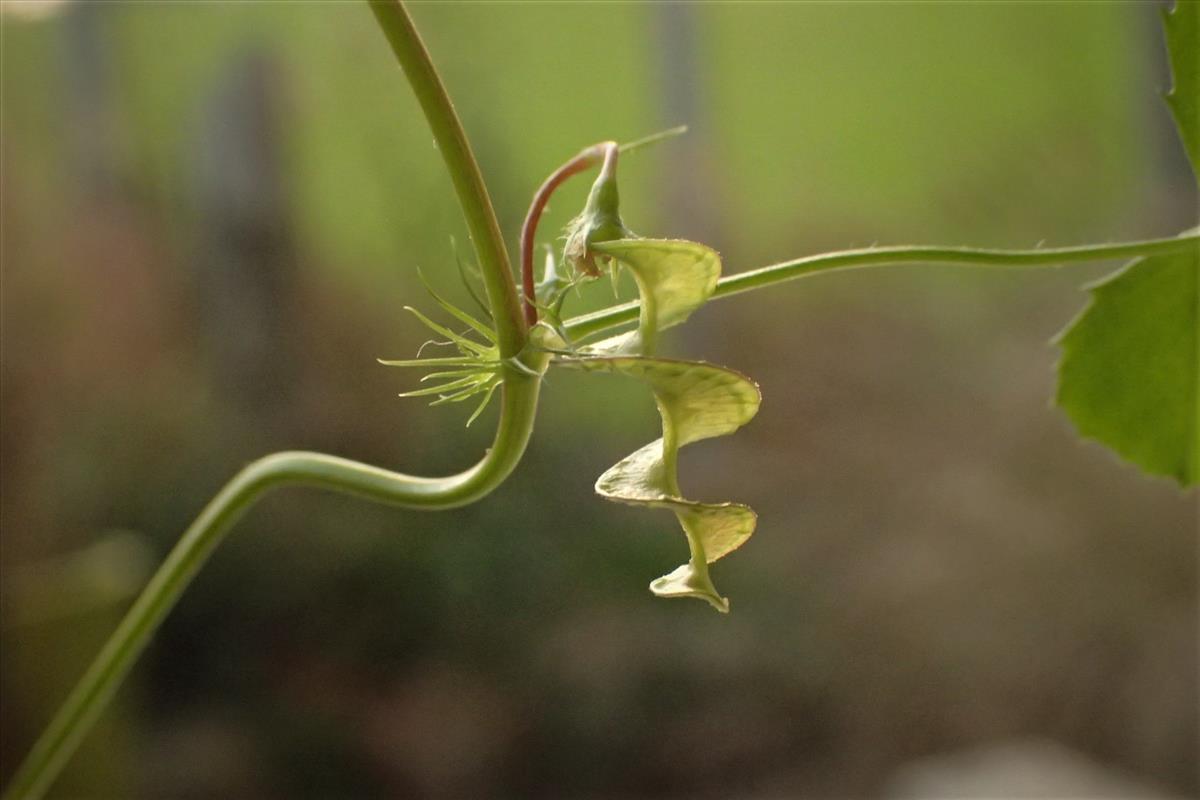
[696, 401]
[1182, 29]
[674, 278]
[1130, 371]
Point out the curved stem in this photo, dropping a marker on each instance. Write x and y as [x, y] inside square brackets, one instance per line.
[578, 164]
[90, 696]
[889, 256]
[464, 171]
[518, 408]
[586, 158]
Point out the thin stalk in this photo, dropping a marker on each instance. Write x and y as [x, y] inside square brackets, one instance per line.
[91, 695]
[654, 138]
[464, 171]
[597, 321]
[584, 159]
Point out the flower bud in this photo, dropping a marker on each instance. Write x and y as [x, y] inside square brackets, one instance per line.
[599, 222]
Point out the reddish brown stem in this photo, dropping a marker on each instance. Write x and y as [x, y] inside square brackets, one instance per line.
[586, 158]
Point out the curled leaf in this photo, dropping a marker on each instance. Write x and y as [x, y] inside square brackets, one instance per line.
[674, 278]
[696, 400]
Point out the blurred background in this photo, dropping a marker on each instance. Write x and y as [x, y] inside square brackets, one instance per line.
[212, 215]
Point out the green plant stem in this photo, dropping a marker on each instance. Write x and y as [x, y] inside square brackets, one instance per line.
[90, 696]
[464, 171]
[584, 159]
[518, 408]
[587, 324]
